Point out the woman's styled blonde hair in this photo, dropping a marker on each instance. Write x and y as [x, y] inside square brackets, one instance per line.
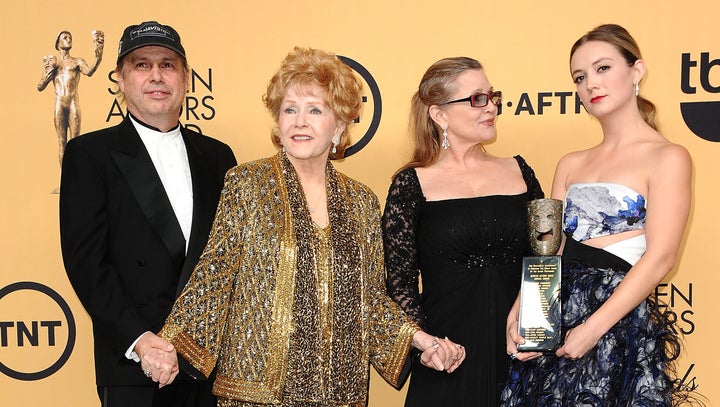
[305, 67]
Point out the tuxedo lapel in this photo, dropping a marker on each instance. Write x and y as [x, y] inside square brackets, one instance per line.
[137, 168]
[204, 205]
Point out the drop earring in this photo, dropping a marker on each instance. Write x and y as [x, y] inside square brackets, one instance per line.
[637, 88]
[445, 143]
[335, 142]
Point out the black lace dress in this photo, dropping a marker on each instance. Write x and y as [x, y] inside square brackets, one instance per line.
[469, 253]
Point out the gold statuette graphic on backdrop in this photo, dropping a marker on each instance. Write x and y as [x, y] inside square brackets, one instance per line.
[64, 71]
[540, 321]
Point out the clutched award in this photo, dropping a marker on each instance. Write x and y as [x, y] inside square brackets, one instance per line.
[540, 318]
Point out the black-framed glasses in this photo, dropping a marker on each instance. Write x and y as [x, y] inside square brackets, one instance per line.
[481, 99]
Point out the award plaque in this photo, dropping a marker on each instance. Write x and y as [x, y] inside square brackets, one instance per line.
[540, 319]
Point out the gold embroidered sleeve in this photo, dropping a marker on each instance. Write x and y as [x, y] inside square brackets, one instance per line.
[390, 330]
[197, 319]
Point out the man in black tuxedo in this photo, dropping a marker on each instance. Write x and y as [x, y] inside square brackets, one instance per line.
[137, 201]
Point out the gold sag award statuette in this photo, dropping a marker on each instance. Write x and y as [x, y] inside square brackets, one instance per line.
[540, 321]
[64, 71]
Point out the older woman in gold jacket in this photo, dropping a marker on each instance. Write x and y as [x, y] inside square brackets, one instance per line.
[288, 301]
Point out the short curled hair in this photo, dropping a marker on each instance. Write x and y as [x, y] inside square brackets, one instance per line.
[306, 67]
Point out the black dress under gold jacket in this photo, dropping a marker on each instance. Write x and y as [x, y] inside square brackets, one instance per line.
[289, 313]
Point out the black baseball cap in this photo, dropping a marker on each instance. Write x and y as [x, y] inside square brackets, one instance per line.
[149, 33]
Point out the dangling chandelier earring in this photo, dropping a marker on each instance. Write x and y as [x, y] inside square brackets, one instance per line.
[335, 141]
[445, 143]
[637, 88]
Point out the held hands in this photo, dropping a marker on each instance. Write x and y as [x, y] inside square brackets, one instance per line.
[438, 354]
[158, 358]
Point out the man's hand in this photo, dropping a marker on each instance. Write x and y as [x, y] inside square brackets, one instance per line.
[158, 358]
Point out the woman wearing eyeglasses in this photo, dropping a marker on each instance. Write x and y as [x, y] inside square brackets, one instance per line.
[455, 216]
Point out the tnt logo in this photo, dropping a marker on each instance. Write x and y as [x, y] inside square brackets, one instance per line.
[37, 331]
[702, 118]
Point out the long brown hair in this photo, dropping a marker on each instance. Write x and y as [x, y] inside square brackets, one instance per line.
[621, 39]
[436, 87]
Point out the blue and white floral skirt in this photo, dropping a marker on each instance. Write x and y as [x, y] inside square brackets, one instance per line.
[631, 365]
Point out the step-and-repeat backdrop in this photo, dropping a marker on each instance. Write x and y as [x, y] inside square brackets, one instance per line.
[234, 47]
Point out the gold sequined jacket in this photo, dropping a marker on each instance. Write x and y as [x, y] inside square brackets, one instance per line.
[252, 307]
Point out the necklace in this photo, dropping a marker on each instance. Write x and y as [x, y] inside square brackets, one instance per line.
[316, 202]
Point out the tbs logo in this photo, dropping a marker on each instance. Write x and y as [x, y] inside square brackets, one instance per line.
[703, 118]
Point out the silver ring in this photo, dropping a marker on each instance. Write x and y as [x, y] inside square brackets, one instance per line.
[148, 373]
[513, 356]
